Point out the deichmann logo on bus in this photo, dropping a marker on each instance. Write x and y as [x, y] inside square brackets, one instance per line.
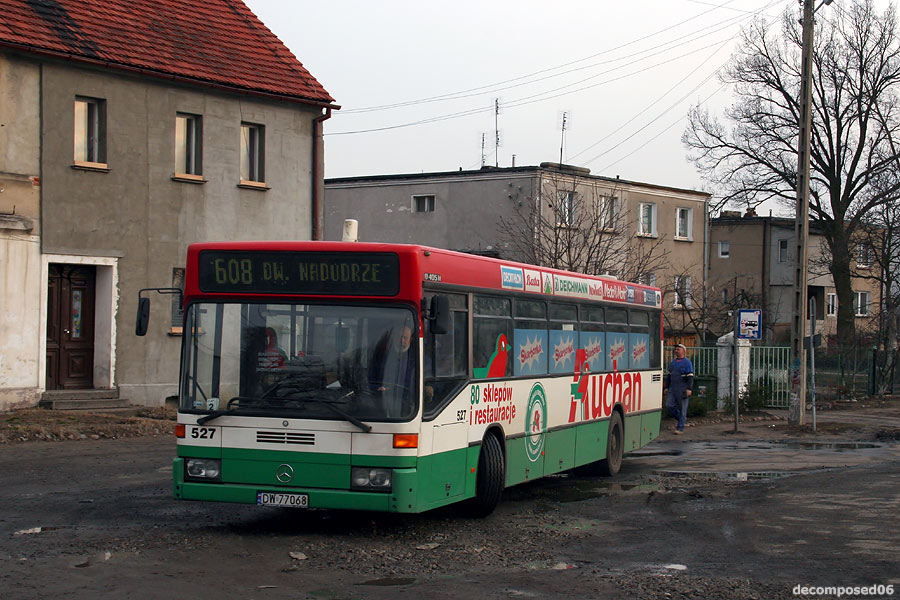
[535, 422]
[512, 278]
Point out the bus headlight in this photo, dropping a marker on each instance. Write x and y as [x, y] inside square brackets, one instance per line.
[202, 469]
[370, 479]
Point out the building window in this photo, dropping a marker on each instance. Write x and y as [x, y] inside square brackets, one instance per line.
[253, 144]
[648, 279]
[861, 304]
[606, 212]
[423, 203]
[90, 130]
[724, 295]
[724, 249]
[565, 209]
[684, 221]
[682, 291]
[782, 251]
[188, 144]
[864, 256]
[647, 219]
[831, 305]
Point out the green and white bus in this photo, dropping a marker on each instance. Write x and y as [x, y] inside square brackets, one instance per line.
[403, 378]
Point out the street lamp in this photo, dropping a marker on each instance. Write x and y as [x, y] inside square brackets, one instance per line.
[801, 226]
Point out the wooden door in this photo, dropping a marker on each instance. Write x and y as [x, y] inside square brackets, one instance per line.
[70, 327]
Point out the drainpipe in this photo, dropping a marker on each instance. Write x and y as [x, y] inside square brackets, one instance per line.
[318, 157]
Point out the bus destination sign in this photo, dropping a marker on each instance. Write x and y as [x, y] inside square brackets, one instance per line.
[337, 273]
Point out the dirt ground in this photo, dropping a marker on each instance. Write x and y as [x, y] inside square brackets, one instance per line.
[868, 419]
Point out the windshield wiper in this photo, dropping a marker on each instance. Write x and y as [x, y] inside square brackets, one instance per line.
[347, 417]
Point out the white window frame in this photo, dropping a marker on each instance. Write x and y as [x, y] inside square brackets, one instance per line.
[253, 154]
[188, 145]
[565, 209]
[90, 131]
[642, 207]
[830, 305]
[427, 203]
[687, 235]
[648, 279]
[785, 256]
[607, 212]
[865, 256]
[682, 286]
[861, 309]
[724, 249]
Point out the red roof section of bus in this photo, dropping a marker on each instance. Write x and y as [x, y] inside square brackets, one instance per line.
[454, 268]
[217, 42]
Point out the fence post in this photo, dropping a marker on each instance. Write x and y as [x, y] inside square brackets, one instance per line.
[873, 379]
[723, 370]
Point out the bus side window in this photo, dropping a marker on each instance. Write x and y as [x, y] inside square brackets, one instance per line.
[446, 356]
[616, 339]
[529, 345]
[492, 331]
[639, 343]
[592, 337]
[563, 337]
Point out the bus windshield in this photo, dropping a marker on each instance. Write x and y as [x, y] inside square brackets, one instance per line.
[315, 361]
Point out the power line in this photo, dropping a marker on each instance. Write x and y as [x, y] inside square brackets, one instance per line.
[485, 89]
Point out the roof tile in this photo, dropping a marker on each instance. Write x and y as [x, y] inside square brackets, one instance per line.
[215, 41]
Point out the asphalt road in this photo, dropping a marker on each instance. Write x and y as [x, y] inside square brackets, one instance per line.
[97, 519]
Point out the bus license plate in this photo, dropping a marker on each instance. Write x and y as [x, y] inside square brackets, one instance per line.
[277, 499]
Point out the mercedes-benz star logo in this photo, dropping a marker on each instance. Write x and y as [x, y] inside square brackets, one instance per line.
[284, 473]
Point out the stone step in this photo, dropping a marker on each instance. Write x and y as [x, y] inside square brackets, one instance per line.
[96, 394]
[93, 404]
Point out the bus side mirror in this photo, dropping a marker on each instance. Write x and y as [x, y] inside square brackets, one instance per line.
[440, 314]
[143, 316]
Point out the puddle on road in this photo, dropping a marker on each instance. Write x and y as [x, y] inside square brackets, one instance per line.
[587, 490]
[389, 581]
[839, 446]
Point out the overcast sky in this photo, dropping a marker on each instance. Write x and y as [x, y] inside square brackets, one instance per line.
[625, 73]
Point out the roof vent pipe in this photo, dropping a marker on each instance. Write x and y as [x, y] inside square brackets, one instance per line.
[351, 230]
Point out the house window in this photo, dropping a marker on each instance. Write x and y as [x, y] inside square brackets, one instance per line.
[782, 251]
[188, 144]
[864, 256]
[684, 222]
[647, 219]
[831, 305]
[606, 212]
[423, 204]
[647, 279]
[565, 209]
[724, 249]
[682, 291]
[861, 304]
[253, 144]
[90, 130]
[724, 295]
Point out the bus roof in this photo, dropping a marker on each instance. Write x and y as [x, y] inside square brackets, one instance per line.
[439, 267]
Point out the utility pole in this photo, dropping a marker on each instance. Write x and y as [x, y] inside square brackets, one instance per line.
[496, 132]
[801, 226]
[562, 140]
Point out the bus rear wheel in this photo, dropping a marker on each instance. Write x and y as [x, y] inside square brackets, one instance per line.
[615, 446]
[489, 479]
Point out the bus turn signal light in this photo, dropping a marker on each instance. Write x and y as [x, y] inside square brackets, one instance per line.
[406, 440]
[179, 430]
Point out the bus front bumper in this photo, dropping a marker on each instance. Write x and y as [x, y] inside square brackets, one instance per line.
[401, 499]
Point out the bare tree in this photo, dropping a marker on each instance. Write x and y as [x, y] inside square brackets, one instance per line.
[855, 118]
[582, 225]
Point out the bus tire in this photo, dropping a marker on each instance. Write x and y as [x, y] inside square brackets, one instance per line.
[489, 479]
[615, 446]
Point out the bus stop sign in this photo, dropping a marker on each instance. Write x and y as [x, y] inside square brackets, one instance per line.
[749, 325]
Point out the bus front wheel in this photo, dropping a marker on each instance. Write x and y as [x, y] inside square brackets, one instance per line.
[615, 446]
[489, 479]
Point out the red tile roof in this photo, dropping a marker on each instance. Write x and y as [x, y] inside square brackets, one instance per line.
[213, 42]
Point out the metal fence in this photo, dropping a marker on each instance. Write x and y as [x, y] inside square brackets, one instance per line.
[770, 374]
[704, 358]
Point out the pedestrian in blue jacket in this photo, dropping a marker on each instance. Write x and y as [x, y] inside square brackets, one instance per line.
[678, 386]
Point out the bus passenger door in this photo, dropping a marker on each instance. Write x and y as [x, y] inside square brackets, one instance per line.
[447, 477]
